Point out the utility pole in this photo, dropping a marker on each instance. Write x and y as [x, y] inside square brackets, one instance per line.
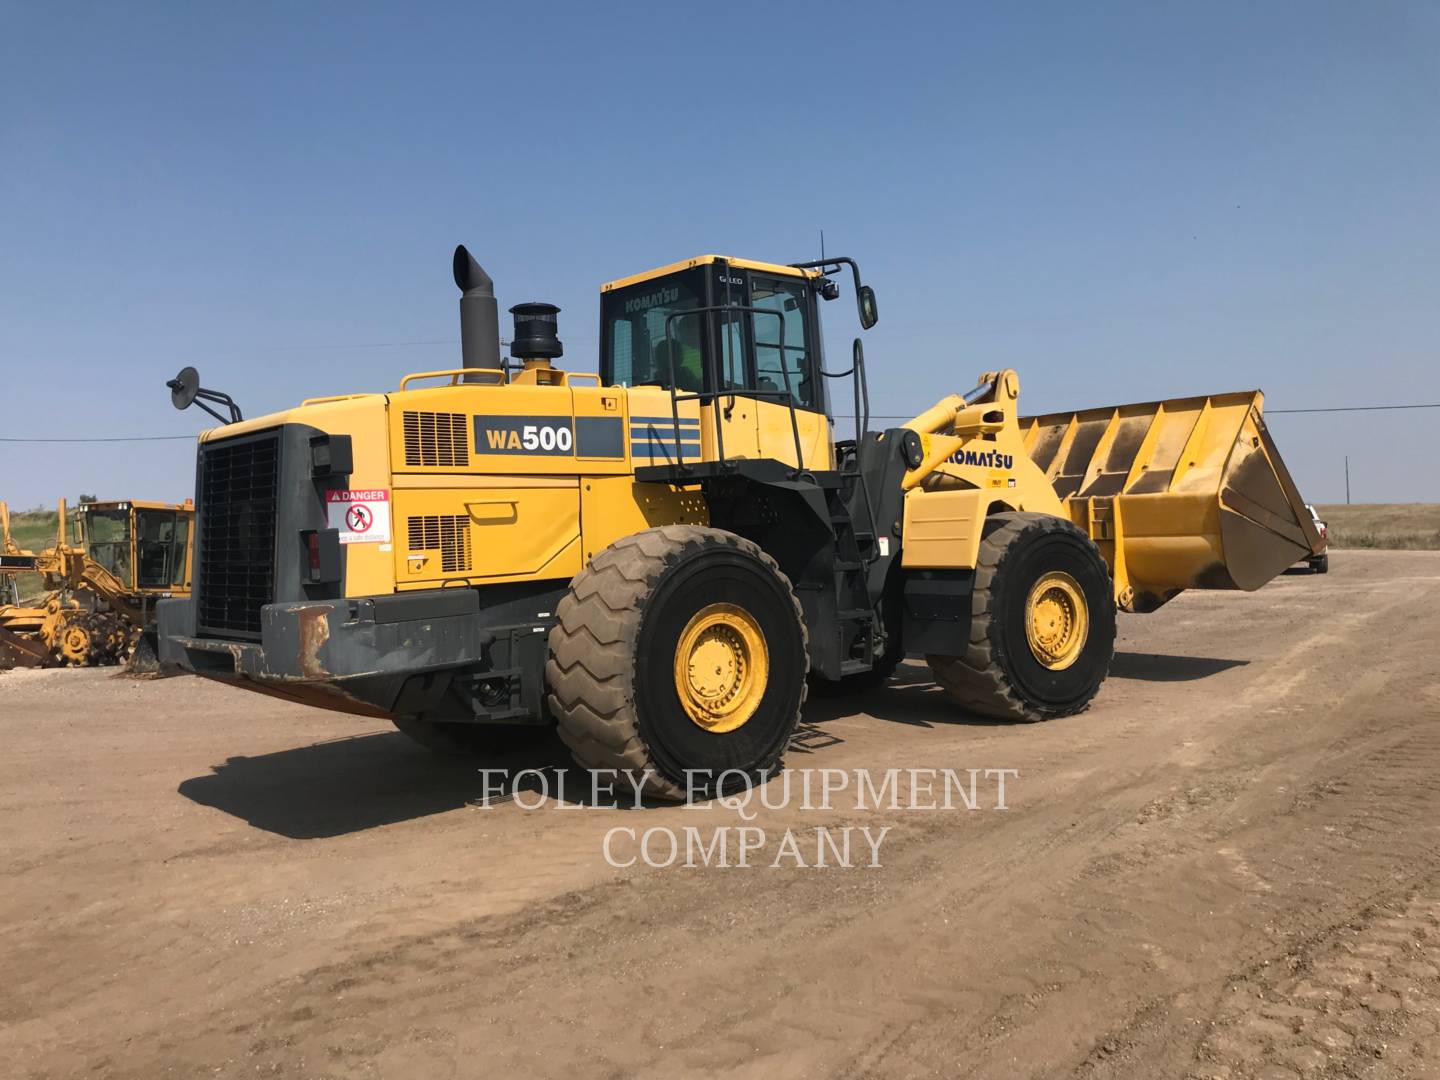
[1347, 479]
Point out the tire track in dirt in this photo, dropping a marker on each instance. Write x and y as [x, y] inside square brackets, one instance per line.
[1011, 997]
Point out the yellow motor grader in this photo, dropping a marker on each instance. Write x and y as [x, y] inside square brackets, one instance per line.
[663, 555]
[101, 591]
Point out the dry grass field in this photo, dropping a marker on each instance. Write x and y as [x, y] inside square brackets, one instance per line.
[32, 530]
[1383, 525]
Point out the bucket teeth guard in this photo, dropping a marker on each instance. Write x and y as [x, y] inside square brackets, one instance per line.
[1189, 493]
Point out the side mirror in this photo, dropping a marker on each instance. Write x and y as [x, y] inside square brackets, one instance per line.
[185, 390]
[184, 387]
[869, 313]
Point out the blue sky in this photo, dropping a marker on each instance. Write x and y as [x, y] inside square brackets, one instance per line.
[1123, 201]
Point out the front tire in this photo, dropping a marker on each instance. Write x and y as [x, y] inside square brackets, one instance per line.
[679, 654]
[1321, 563]
[1042, 627]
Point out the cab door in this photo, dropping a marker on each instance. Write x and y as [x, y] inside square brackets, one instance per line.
[738, 412]
[786, 346]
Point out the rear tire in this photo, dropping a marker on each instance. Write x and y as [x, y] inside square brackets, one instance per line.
[1003, 673]
[1321, 563]
[625, 644]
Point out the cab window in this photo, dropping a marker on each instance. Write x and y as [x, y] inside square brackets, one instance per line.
[155, 550]
[180, 549]
[769, 352]
[782, 360]
[107, 540]
[634, 323]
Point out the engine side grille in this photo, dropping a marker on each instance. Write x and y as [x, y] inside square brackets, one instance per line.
[447, 533]
[237, 497]
[436, 438]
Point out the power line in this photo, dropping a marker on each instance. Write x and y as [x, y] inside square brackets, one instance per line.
[1268, 412]
[116, 438]
[357, 345]
[1356, 408]
[504, 342]
[383, 345]
[836, 416]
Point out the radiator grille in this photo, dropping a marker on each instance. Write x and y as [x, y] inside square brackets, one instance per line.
[447, 533]
[237, 503]
[436, 438]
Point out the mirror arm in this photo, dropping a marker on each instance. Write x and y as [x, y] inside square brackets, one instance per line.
[187, 380]
[826, 266]
[211, 411]
[202, 396]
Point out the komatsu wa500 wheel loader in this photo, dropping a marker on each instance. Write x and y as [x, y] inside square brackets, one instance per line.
[660, 557]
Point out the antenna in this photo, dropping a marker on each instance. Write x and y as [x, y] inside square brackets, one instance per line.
[822, 245]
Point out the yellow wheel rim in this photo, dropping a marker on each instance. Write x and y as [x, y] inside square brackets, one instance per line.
[721, 667]
[1056, 620]
[75, 644]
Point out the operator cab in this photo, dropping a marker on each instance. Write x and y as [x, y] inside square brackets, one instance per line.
[655, 330]
[143, 546]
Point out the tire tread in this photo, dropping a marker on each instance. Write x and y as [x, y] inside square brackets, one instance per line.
[977, 680]
[592, 646]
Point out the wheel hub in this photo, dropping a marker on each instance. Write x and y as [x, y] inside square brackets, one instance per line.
[721, 667]
[75, 644]
[1057, 620]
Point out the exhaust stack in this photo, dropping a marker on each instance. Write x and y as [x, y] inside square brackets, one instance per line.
[479, 314]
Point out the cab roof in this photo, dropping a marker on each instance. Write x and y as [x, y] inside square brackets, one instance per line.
[138, 504]
[702, 260]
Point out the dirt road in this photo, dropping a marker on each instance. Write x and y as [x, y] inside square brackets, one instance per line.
[1229, 867]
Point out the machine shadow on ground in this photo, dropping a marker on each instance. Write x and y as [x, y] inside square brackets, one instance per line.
[912, 698]
[349, 785]
[343, 786]
[1160, 667]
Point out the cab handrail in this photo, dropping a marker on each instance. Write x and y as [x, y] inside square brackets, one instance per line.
[454, 375]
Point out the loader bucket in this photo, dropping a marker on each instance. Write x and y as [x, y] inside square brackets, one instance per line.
[1182, 494]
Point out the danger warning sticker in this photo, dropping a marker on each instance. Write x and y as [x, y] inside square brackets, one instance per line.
[362, 517]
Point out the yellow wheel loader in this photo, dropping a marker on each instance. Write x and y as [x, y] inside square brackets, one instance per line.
[99, 607]
[662, 556]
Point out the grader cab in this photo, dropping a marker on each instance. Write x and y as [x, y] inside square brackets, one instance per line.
[663, 556]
